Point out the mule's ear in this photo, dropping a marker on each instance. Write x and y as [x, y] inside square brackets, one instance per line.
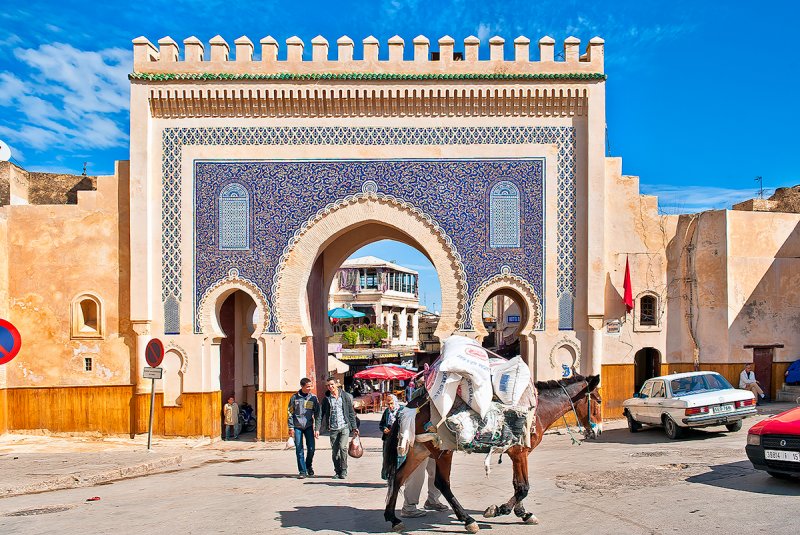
[594, 380]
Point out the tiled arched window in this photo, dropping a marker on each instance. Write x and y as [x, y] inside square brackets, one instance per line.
[504, 215]
[234, 221]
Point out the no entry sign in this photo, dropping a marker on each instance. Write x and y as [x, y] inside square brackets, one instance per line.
[154, 352]
[10, 341]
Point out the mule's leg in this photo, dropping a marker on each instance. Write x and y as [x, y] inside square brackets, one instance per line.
[413, 460]
[519, 458]
[444, 462]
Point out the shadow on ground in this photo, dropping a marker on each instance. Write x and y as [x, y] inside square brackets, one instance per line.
[348, 520]
[655, 435]
[742, 476]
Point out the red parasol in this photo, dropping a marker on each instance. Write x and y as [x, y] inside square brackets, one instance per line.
[386, 373]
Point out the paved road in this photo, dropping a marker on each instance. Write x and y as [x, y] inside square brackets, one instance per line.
[623, 483]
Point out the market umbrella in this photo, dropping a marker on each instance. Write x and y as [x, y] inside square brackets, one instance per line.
[386, 373]
[344, 313]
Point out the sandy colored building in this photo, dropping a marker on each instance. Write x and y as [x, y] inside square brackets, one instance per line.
[386, 293]
[251, 180]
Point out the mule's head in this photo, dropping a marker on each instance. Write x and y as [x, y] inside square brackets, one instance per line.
[587, 406]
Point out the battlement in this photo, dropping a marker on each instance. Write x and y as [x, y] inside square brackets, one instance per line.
[218, 62]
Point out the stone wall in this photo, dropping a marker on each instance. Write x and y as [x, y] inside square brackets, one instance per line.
[18, 186]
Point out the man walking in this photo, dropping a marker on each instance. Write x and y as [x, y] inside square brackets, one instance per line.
[230, 413]
[304, 416]
[413, 489]
[338, 420]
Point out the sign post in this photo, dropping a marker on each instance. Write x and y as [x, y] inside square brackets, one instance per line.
[10, 341]
[153, 354]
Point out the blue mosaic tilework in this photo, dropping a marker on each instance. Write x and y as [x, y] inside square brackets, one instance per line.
[174, 139]
[504, 215]
[234, 220]
[284, 194]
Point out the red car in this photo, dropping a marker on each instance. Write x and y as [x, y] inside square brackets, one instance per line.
[774, 444]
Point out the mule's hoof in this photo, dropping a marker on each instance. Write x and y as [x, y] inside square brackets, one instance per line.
[472, 527]
[490, 512]
[530, 518]
[399, 527]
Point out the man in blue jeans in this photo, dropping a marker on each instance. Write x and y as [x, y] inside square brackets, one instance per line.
[304, 418]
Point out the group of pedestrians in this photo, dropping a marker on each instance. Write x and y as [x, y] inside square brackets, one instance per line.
[335, 416]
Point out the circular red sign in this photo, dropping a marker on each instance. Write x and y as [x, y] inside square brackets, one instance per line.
[10, 341]
[154, 352]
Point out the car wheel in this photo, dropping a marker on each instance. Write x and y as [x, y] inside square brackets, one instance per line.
[633, 425]
[671, 428]
[779, 475]
[735, 426]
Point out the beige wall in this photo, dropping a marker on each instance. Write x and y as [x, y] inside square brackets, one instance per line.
[55, 254]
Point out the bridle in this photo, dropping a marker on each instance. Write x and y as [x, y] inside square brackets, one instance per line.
[591, 432]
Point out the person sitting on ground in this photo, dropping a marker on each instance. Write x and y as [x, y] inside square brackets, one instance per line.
[792, 375]
[385, 425]
[747, 381]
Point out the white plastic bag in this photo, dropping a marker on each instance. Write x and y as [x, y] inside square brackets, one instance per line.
[510, 380]
[442, 389]
[290, 443]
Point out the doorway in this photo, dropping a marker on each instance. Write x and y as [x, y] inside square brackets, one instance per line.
[762, 364]
[238, 353]
[646, 365]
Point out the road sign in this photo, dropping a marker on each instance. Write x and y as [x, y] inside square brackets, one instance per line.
[152, 373]
[154, 352]
[10, 341]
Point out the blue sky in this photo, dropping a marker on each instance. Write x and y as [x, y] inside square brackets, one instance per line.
[701, 96]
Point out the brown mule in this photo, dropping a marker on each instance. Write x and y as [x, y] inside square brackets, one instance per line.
[556, 398]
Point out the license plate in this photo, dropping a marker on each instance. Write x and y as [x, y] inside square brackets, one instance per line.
[718, 409]
[778, 455]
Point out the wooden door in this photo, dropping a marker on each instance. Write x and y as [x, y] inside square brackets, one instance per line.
[762, 362]
[227, 351]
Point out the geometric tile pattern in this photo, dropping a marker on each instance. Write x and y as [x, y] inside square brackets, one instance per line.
[421, 192]
[234, 220]
[504, 216]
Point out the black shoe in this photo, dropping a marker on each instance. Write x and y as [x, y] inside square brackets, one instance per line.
[310, 473]
[337, 476]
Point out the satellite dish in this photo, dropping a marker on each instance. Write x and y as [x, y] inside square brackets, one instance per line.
[5, 152]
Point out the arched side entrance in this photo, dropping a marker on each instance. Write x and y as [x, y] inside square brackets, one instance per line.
[646, 365]
[520, 291]
[233, 315]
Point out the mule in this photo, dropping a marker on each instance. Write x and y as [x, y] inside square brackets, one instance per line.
[556, 399]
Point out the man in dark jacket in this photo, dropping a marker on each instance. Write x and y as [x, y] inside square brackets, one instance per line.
[338, 421]
[304, 419]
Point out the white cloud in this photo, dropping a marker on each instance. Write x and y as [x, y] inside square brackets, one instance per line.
[690, 199]
[67, 98]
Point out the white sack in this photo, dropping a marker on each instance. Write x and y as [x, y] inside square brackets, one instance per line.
[510, 380]
[465, 357]
[442, 388]
[478, 397]
[407, 421]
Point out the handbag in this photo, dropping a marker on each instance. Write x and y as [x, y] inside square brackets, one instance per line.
[355, 449]
[290, 443]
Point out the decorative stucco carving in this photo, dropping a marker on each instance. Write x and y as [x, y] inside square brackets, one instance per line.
[207, 310]
[507, 279]
[568, 342]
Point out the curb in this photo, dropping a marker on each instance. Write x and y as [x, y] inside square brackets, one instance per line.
[78, 480]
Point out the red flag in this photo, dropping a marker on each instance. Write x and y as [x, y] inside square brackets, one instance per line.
[627, 287]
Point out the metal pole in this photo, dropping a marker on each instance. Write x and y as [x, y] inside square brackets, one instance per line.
[152, 406]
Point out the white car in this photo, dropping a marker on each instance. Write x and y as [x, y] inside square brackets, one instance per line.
[695, 399]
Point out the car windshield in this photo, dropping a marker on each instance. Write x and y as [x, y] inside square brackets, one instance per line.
[698, 383]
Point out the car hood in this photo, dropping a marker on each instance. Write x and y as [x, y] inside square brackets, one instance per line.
[727, 395]
[785, 423]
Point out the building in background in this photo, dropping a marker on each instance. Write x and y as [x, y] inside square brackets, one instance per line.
[387, 293]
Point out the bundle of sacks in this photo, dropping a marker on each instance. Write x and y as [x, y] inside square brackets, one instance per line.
[484, 403]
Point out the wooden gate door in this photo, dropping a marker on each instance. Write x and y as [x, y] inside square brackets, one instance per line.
[762, 362]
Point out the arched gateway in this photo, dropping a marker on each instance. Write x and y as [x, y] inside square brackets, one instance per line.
[271, 173]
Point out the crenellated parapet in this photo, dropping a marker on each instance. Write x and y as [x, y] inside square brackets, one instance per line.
[220, 61]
